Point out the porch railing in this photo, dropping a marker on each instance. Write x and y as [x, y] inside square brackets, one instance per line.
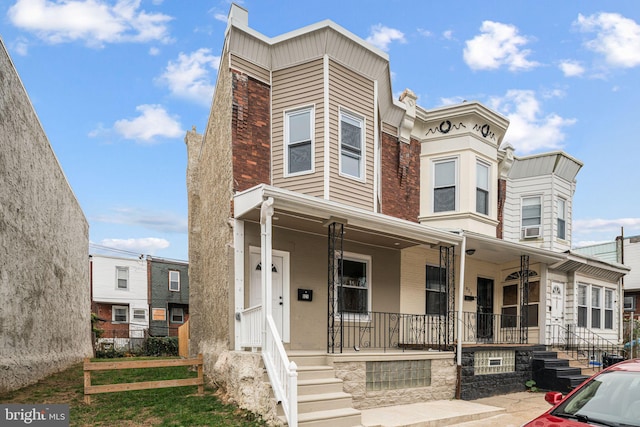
[583, 345]
[491, 328]
[251, 327]
[282, 373]
[386, 331]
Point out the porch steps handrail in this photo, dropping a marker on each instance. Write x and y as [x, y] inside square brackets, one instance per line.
[283, 374]
[575, 343]
[251, 327]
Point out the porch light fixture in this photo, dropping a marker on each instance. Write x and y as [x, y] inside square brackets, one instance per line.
[470, 251]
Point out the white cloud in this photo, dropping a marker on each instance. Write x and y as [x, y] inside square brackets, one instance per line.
[571, 68]
[96, 22]
[154, 51]
[498, 45]
[617, 38]
[145, 245]
[604, 225]
[190, 76]
[21, 46]
[424, 33]
[153, 121]
[220, 17]
[382, 36]
[529, 130]
[165, 222]
[448, 34]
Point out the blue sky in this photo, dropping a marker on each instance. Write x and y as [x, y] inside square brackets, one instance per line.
[117, 83]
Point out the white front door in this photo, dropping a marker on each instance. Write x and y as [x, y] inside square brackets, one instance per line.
[557, 310]
[279, 288]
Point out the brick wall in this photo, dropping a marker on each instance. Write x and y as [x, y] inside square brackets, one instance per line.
[250, 132]
[400, 181]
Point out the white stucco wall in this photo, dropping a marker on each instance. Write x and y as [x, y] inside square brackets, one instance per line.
[45, 321]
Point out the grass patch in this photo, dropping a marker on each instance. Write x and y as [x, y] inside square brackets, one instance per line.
[166, 407]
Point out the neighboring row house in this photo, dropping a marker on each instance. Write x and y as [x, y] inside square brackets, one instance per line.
[134, 297]
[401, 254]
[624, 250]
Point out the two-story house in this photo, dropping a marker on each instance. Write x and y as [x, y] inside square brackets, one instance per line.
[119, 298]
[395, 253]
[168, 295]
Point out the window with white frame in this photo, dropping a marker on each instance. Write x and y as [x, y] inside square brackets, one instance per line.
[298, 141]
[177, 315]
[122, 278]
[531, 217]
[351, 145]
[482, 188]
[582, 306]
[562, 219]
[119, 314]
[139, 314]
[608, 309]
[630, 303]
[596, 307]
[444, 185]
[174, 281]
[436, 287]
[354, 290]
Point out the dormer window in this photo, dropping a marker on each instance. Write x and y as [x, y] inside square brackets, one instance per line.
[482, 188]
[351, 145]
[299, 141]
[444, 185]
[531, 217]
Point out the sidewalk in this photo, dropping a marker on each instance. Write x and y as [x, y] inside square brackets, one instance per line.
[510, 410]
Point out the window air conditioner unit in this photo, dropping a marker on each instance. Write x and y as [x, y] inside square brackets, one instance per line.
[530, 232]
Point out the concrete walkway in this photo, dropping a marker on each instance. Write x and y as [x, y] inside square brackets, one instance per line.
[510, 410]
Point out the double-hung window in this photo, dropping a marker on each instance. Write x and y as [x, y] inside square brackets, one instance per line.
[119, 314]
[174, 281]
[354, 290]
[582, 306]
[608, 309]
[596, 307]
[531, 216]
[436, 287]
[177, 315]
[482, 188]
[122, 278]
[630, 303]
[562, 219]
[444, 185]
[298, 141]
[351, 145]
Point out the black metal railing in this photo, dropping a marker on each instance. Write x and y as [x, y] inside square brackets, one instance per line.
[383, 331]
[485, 328]
[584, 345]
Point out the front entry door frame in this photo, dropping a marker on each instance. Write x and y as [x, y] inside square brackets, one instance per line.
[484, 311]
[281, 303]
[557, 310]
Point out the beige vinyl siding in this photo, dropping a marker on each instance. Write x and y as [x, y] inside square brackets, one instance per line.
[294, 87]
[353, 93]
[250, 69]
[390, 129]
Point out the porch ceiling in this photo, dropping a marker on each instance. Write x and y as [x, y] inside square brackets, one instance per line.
[309, 214]
[497, 251]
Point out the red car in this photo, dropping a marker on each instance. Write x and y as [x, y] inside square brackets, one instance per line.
[609, 398]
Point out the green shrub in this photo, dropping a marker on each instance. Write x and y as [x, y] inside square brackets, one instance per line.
[160, 346]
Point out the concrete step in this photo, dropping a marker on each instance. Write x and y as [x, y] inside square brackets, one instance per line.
[307, 358]
[346, 417]
[311, 372]
[319, 386]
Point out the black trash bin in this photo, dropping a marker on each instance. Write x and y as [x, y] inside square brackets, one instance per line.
[611, 359]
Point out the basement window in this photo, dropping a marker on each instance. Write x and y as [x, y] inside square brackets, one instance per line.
[494, 362]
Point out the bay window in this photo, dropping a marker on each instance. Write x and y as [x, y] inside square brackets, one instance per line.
[298, 125]
[444, 185]
[351, 145]
[482, 188]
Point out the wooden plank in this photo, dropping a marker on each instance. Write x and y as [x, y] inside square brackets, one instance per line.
[133, 364]
[142, 385]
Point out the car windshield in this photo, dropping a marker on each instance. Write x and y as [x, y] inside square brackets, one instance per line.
[612, 398]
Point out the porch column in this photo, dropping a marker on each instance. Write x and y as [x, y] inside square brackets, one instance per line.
[238, 266]
[459, 324]
[266, 217]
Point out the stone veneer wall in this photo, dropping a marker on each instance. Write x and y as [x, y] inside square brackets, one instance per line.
[478, 386]
[353, 373]
[45, 323]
